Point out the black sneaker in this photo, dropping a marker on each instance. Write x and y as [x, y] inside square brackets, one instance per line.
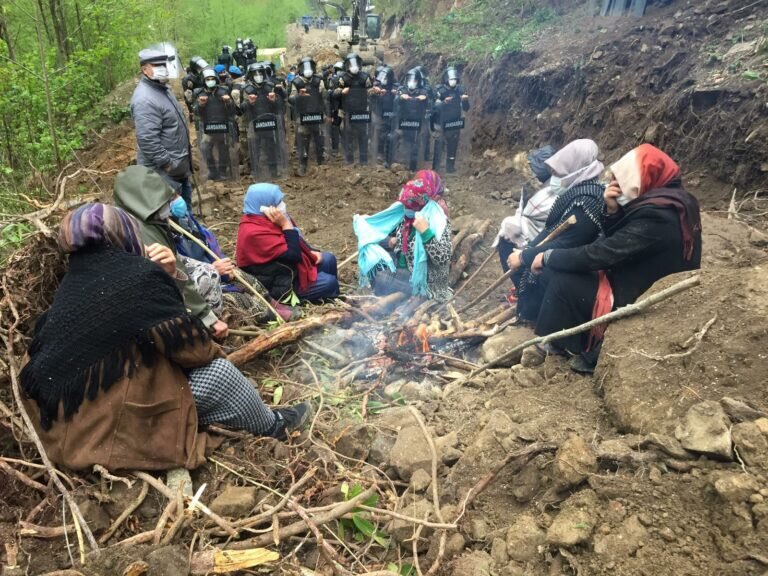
[290, 419]
[582, 365]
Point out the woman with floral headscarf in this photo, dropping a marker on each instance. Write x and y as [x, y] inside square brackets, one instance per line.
[120, 373]
[407, 247]
[653, 229]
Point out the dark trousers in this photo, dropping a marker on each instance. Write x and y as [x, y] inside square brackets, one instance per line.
[447, 143]
[568, 301]
[327, 284]
[305, 135]
[410, 141]
[355, 136]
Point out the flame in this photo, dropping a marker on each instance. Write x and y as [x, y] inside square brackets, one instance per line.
[423, 336]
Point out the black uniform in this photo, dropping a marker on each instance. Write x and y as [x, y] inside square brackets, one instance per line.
[225, 57]
[264, 128]
[411, 108]
[217, 141]
[311, 107]
[383, 106]
[449, 119]
[356, 114]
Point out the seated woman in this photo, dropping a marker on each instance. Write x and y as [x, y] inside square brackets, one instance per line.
[653, 229]
[119, 372]
[271, 248]
[576, 192]
[407, 247]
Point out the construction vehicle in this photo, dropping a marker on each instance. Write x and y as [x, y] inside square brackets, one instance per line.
[362, 27]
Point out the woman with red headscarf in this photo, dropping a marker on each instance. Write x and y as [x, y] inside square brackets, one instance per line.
[652, 230]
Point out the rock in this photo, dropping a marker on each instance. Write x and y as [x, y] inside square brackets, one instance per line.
[472, 564]
[179, 477]
[751, 444]
[485, 453]
[655, 475]
[576, 520]
[235, 501]
[490, 154]
[735, 487]
[762, 424]
[96, 517]
[416, 391]
[454, 545]
[524, 538]
[381, 447]
[499, 552]
[740, 411]
[527, 484]
[615, 450]
[169, 561]
[705, 429]
[623, 542]
[740, 50]
[508, 338]
[574, 461]
[478, 529]
[410, 453]
[420, 480]
[667, 444]
[354, 439]
[402, 530]
[354, 179]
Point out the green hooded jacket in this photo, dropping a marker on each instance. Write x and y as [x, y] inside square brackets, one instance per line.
[142, 192]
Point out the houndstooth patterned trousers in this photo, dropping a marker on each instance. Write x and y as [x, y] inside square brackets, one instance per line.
[224, 396]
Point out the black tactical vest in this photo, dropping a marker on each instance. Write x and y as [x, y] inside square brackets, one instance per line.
[356, 101]
[313, 104]
[215, 115]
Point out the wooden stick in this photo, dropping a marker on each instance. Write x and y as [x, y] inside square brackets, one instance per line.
[235, 272]
[45, 532]
[475, 274]
[127, 512]
[347, 260]
[300, 527]
[624, 312]
[499, 281]
[21, 477]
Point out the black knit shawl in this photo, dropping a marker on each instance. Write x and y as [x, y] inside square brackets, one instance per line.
[106, 316]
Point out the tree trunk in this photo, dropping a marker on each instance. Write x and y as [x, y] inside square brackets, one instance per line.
[60, 30]
[45, 21]
[80, 27]
[11, 157]
[5, 34]
[48, 100]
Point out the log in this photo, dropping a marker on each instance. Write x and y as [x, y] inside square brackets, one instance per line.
[223, 562]
[463, 255]
[289, 333]
[475, 274]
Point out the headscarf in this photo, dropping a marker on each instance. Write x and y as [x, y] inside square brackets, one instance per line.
[537, 161]
[261, 195]
[576, 162]
[642, 169]
[648, 176]
[96, 224]
[425, 186]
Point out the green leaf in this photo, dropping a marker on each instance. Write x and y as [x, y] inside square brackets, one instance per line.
[367, 528]
[277, 395]
[407, 570]
[751, 75]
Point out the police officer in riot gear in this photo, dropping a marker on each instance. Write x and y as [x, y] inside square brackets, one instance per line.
[384, 91]
[214, 106]
[249, 52]
[353, 88]
[261, 107]
[192, 81]
[431, 95]
[332, 83]
[225, 57]
[411, 113]
[451, 102]
[239, 54]
[310, 103]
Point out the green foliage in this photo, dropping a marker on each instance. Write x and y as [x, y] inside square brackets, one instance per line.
[12, 237]
[481, 28]
[359, 527]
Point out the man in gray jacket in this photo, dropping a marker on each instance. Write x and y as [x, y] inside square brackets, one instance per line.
[162, 135]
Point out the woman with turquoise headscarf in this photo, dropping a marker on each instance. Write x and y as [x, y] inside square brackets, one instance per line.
[271, 248]
[407, 247]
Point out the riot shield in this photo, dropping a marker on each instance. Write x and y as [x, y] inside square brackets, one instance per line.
[219, 156]
[381, 134]
[266, 147]
[406, 141]
[447, 143]
[355, 136]
[311, 139]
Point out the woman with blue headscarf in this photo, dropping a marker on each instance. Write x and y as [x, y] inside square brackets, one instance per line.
[407, 247]
[271, 248]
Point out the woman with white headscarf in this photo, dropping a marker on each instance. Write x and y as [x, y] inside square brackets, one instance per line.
[575, 170]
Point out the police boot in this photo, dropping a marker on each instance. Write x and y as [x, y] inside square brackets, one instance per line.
[302, 168]
[450, 165]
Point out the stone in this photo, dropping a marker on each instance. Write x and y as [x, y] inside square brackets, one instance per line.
[454, 545]
[96, 517]
[485, 452]
[472, 564]
[706, 429]
[169, 561]
[623, 542]
[499, 552]
[505, 340]
[179, 477]
[354, 439]
[667, 444]
[403, 530]
[740, 411]
[751, 444]
[527, 484]
[416, 391]
[355, 179]
[762, 424]
[381, 447]
[740, 50]
[576, 520]
[574, 461]
[420, 480]
[235, 501]
[655, 475]
[410, 453]
[478, 529]
[735, 487]
[524, 538]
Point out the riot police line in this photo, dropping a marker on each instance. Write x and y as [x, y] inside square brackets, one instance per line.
[339, 109]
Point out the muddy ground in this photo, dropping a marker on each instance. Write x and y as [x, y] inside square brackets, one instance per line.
[627, 489]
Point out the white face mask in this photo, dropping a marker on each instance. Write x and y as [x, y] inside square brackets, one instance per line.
[452, 82]
[623, 200]
[280, 207]
[258, 78]
[354, 69]
[160, 73]
[211, 83]
[555, 183]
[307, 71]
[412, 84]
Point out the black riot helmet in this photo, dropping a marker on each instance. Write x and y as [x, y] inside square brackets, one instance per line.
[225, 49]
[339, 66]
[353, 63]
[451, 77]
[198, 64]
[269, 68]
[257, 73]
[414, 79]
[248, 43]
[307, 67]
[385, 76]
